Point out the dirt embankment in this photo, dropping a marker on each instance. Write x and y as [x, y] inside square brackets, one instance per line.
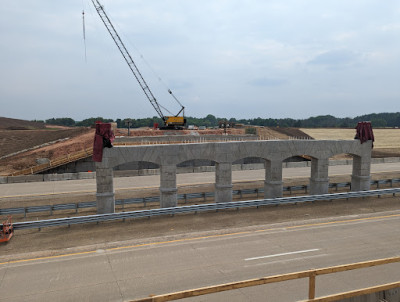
[281, 133]
[17, 140]
[63, 142]
[16, 124]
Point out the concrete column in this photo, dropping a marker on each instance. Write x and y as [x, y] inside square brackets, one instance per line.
[168, 188]
[319, 181]
[273, 184]
[223, 182]
[105, 197]
[361, 176]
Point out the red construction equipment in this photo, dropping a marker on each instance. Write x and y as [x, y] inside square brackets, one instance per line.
[6, 230]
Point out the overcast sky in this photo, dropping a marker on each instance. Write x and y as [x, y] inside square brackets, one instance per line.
[229, 58]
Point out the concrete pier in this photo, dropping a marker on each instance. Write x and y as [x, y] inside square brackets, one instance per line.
[105, 195]
[167, 157]
[319, 181]
[223, 182]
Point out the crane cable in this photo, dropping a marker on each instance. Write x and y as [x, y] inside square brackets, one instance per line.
[151, 69]
[84, 32]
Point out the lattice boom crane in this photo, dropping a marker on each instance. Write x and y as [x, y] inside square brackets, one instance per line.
[170, 122]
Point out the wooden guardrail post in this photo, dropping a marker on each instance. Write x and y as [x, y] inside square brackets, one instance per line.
[311, 285]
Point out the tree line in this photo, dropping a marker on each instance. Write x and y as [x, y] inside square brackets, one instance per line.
[378, 120]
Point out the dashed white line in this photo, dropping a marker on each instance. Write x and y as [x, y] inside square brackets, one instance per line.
[282, 254]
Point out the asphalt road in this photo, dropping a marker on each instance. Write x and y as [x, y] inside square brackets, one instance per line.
[121, 183]
[197, 260]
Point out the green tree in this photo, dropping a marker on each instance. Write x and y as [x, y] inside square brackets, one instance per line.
[63, 121]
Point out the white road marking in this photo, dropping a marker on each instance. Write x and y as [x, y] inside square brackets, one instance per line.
[282, 254]
[253, 264]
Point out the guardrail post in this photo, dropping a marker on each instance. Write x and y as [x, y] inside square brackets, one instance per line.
[311, 286]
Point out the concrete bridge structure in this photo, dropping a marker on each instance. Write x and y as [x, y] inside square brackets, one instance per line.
[224, 154]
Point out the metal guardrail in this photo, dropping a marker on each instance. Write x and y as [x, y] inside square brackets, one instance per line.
[185, 197]
[198, 208]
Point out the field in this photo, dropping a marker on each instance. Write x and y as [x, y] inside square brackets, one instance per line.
[387, 141]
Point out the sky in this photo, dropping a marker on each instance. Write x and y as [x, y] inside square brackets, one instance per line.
[229, 58]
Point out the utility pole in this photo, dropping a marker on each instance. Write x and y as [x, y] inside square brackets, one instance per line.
[128, 122]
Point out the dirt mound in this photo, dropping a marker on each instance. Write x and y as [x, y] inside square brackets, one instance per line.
[15, 124]
[292, 132]
[281, 133]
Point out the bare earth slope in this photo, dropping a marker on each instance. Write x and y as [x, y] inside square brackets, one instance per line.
[16, 140]
[63, 142]
[15, 124]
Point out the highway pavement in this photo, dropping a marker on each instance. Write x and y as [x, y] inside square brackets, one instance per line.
[202, 259]
[153, 181]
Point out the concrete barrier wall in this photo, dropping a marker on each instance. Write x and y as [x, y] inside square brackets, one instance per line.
[142, 172]
[184, 138]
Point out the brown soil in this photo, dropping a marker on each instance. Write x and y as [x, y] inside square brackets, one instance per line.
[385, 152]
[15, 124]
[292, 132]
[14, 141]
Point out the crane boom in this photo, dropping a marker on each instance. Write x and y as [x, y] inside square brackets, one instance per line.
[168, 121]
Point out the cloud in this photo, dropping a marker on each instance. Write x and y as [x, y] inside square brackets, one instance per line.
[393, 27]
[336, 58]
[267, 82]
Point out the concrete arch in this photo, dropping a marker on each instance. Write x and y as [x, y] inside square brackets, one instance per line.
[224, 154]
[137, 165]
